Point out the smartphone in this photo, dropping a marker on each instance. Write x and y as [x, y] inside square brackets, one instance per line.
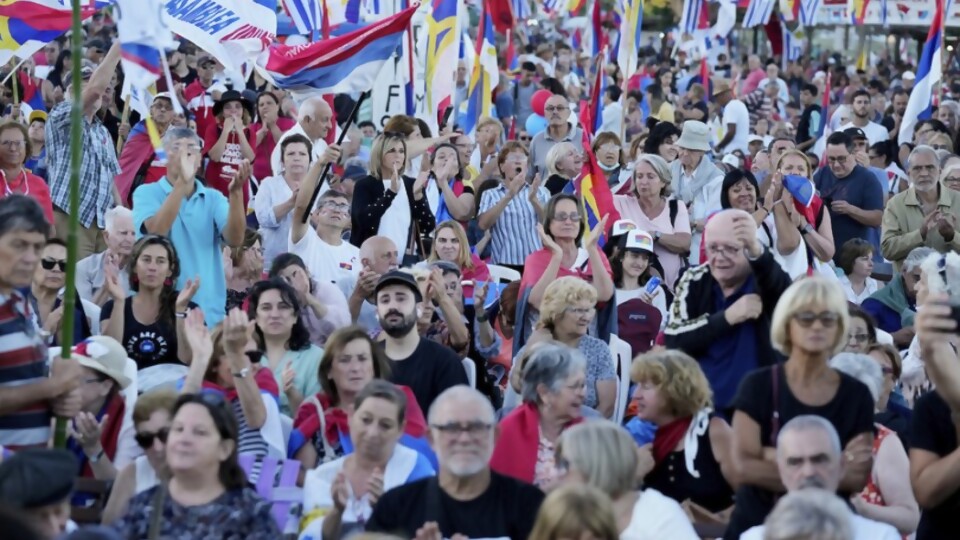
[653, 284]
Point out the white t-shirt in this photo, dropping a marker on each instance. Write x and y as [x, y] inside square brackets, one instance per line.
[319, 147]
[326, 263]
[735, 112]
[656, 516]
[875, 132]
[863, 529]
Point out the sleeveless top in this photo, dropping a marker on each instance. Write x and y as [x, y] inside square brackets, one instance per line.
[871, 492]
[146, 477]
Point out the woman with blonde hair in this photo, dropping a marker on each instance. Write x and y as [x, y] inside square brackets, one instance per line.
[809, 326]
[603, 455]
[575, 512]
[691, 447]
[564, 162]
[450, 244]
[815, 225]
[651, 209]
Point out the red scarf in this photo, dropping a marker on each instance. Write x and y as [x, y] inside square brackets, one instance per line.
[668, 436]
[336, 420]
[516, 451]
[111, 430]
[263, 378]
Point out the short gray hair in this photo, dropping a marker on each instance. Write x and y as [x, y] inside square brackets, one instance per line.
[110, 218]
[809, 513]
[916, 257]
[550, 365]
[862, 368]
[923, 149]
[810, 422]
[461, 394]
[175, 134]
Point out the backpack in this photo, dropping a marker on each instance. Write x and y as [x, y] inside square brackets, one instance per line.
[638, 323]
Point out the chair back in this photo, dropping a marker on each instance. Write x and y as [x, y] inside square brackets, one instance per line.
[622, 356]
[503, 274]
[277, 483]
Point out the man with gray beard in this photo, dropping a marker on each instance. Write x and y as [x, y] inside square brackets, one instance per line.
[427, 367]
[466, 499]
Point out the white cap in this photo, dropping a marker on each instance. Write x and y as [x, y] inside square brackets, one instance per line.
[754, 138]
[908, 76]
[622, 226]
[639, 240]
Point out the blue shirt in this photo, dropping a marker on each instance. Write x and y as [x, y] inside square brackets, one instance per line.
[734, 354]
[860, 188]
[887, 319]
[196, 233]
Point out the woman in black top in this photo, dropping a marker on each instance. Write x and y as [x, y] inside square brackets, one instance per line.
[809, 326]
[564, 162]
[151, 324]
[692, 445]
[381, 207]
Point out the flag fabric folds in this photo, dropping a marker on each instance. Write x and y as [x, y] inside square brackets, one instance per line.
[929, 74]
[808, 12]
[758, 13]
[485, 75]
[858, 11]
[629, 42]
[27, 25]
[443, 45]
[349, 63]
[143, 40]
[592, 189]
[232, 31]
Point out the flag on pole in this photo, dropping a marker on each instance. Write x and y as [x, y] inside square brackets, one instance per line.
[143, 40]
[348, 63]
[28, 25]
[597, 41]
[690, 18]
[485, 76]
[825, 106]
[592, 189]
[858, 11]
[443, 45]
[310, 15]
[929, 75]
[758, 13]
[808, 12]
[629, 42]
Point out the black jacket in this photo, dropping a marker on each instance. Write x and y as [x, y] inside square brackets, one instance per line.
[693, 325]
[370, 202]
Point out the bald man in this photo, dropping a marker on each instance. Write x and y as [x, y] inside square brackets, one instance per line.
[378, 255]
[315, 122]
[725, 305]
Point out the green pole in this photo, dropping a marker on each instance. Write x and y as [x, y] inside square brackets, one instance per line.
[76, 136]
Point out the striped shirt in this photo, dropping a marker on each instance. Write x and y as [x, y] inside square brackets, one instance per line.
[514, 235]
[23, 360]
[97, 169]
[249, 440]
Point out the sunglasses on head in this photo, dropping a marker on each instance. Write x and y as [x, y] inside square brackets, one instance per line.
[145, 438]
[48, 264]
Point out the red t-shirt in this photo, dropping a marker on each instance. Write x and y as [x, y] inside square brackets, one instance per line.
[32, 186]
[200, 103]
[219, 173]
[263, 151]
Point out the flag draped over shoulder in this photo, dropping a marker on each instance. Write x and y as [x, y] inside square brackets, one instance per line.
[485, 75]
[27, 25]
[444, 33]
[929, 74]
[348, 63]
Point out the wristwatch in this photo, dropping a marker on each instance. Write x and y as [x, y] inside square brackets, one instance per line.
[242, 374]
[96, 458]
[656, 236]
[807, 229]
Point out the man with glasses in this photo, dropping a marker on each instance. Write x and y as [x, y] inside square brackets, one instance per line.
[138, 162]
[328, 257]
[726, 305]
[850, 191]
[198, 220]
[559, 129]
[465, 498]
[925, 214]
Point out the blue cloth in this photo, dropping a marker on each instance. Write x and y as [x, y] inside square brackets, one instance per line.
[887, 319]
[641, 431]
[426, 462]
[734, 354]
[38, 165]
[196, 233]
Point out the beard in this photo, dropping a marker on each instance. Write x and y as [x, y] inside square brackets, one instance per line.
[401, 328]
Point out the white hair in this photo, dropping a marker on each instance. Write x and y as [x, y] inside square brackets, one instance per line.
[862, 368]
[810, 422]
[809, 513]
[916, 257]
[309, 107]
[110, 218]
[462, 395]
[923, 149]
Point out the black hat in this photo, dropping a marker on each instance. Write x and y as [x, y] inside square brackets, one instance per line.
[97, 43]
[399, 277]
[232, 95]
[37, 477]
[856, 133]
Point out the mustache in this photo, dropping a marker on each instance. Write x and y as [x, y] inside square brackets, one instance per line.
[394, 312]
[813, 482]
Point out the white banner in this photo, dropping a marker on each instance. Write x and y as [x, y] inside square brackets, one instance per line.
[915, 13]
[233, 31]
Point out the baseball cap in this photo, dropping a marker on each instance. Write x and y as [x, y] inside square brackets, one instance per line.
[205, 59]
[354, 172]
[37, 115]
[621, 227]
[637, 240]
[855, 133]
[399, 277]
[754, 138]
[909, 76]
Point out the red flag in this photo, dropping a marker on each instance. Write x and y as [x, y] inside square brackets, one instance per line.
[501, 11]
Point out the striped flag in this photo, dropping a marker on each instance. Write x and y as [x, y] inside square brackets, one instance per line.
[143, 41]
[629, 42]
[694, 16]
[592, 189]
[858, 11]
[521, 10]
[485, 76]
[443, 46]
[28, 25]
[825, 106]
[758, 13]
[808, 12]
[929, 75]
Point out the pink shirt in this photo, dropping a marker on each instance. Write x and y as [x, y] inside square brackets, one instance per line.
[629, 208]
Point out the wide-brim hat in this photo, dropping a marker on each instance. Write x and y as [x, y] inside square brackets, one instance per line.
[232, 95]
[720, 87]
[695, 136]
[105, 355]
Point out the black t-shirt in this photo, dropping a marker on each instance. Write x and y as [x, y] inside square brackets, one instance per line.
[147, 344]
[850, 411]
[431, 369]
[507, 509]
[932, 430]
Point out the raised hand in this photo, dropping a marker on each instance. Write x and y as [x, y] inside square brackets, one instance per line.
[375, 486]
[289, 376]
[236, 331]
[331, 154]
[198, 336]
[240, 178]
[190, 288]
[112, 283]
[87, 431]
[549, 242]
[745, 230]
[480, 292]
[395, 179]
[593, 237]
[421, 182]
[339, 492]
[534, 187]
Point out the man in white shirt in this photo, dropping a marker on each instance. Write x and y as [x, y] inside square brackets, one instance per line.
[773, 75]
[809, 456]
[736, 120]
[860, 118]
[315, 120]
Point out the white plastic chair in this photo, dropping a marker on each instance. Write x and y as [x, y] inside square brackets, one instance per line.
[503, 274]
[622, 355]
[471, 368]
[286, 424]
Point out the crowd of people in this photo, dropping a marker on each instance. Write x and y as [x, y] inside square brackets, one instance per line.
[758, 340]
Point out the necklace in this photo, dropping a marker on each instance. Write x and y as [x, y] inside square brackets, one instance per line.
[23, 182]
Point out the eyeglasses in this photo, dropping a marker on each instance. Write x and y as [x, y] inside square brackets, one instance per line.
[858, 338]
[726, 251]
[161, 108]
[952, 180]
[837, 159]
[337, 207]
[456, 428]
[524, 138]
[563, 216]
[48, 264]
[145, 438]
[806, 318]
[13, 144]
[557, 108]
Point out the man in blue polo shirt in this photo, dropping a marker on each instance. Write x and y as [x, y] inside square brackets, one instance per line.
[194, 218]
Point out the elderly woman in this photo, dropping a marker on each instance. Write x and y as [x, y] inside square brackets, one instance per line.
[889, 403]
[566, 252]
[277, 195]
[325, 307]
[950, 174]
[576, 511]
[602, 454]
[564, 162]
[387, 203]
[566, 314]
[887, 497]
[228, 142]
[609, 151]
[691, 447]
[448, 196]
[350, 361]
[151, 419]
[809, 326]
[450, 244]
[894, 306]
[340, 494]
[862, 332]
[815, 226]
[855, 261]
[652, 209]
[554, 380]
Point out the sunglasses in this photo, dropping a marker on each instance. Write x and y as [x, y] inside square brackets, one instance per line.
[806, 318]
[254, 356]
[522, 138]
[145, 438]
[48, 264]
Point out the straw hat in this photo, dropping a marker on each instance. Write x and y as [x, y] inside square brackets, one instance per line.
[105, 355]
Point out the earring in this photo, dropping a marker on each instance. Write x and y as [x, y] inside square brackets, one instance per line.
[134, 279]
[167, 282]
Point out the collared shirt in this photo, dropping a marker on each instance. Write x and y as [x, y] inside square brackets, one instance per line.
[542, 143]
[196, 232]
[91, 276]
[23, 360]
[514, 235]
[903, 218]
[97, 168]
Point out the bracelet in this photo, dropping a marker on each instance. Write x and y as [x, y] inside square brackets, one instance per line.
[180, 314]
